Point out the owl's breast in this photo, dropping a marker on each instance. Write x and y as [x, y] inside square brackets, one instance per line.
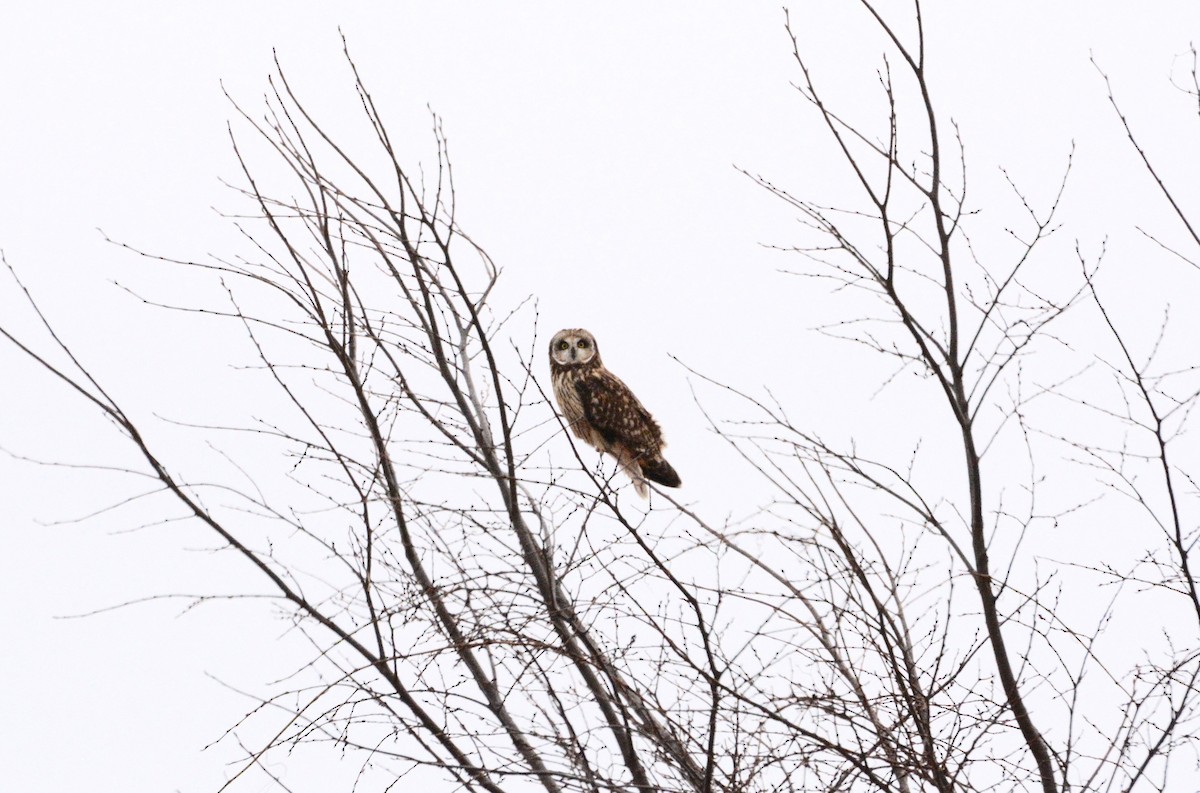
[571, 406]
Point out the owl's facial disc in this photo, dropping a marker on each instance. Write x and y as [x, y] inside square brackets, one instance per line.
[572, 347]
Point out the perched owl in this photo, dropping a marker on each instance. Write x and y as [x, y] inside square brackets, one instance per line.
[602, 410]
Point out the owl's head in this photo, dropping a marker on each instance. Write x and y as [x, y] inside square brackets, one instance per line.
[574, 347]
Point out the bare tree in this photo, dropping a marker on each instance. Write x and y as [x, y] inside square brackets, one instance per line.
[488, 612]
[919, 698]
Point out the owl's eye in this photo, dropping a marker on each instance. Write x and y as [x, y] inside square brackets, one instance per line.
[583, 344]
[564, 345]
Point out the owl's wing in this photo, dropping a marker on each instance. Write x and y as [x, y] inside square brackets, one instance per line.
[612, 409]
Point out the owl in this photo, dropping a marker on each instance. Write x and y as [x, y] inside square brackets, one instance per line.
[602, 410]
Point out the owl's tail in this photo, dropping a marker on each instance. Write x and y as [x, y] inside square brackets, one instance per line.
[660, 471]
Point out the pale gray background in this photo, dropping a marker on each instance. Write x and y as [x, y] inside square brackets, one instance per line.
[588, 140]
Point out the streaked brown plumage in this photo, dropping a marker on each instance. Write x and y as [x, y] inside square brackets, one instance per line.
[601, 410]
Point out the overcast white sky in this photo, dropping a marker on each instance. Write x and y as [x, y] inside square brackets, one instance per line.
[595, 148]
